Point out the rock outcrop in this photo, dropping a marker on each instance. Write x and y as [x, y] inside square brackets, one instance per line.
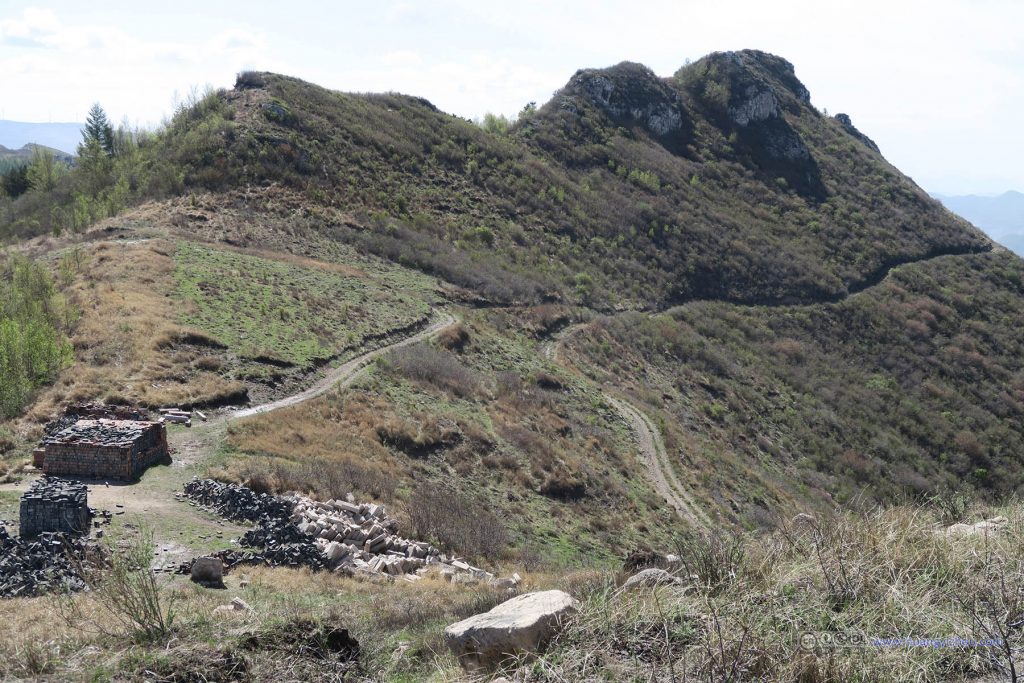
[982, 528]
[522, 624]
[847, 124]
[749, 94]
[632, 96]
[650, 578]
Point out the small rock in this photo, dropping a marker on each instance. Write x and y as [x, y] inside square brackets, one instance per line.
[240, 605]
[649, 578]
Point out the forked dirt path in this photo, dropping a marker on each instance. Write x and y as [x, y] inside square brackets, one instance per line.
[179, 529]
[652, 446]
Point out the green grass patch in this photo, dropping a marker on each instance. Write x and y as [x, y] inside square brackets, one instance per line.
[282, 311]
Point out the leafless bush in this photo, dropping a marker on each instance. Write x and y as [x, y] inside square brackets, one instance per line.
[126, 596]
[715, 559]
[426, 364]
[994, 605]
[456, 523]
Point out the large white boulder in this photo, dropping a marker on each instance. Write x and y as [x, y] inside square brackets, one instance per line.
[521, 624]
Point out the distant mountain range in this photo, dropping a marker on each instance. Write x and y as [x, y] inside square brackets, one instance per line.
[25, 152]
[1001, 216]
[59, 136]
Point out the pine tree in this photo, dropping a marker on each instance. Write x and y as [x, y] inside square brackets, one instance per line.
[97, 130]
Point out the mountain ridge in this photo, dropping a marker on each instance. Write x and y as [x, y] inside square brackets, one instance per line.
[719, 187]
[63, 137]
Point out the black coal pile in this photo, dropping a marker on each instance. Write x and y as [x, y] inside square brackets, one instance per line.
[46, 563]
[271, 533]
[293, 555]
[275, 541]
[236, 502]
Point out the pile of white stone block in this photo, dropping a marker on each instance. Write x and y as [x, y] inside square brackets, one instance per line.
[361, 537]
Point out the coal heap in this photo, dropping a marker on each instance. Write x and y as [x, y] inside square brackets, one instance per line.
[275, 541]
[47, 563]
[236, 502]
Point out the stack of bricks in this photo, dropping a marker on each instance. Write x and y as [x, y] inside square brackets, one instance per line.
[53, 504]
[103, 449]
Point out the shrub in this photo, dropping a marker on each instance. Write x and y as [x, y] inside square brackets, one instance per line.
[426, 364]
[126, 598]
[456, 523]
[32, 349]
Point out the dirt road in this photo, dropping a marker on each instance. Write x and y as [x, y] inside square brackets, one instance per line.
[652, 447]
[343, 375]
[663, 476]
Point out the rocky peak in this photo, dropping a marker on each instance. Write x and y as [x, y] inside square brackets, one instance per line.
[749, 94]
[630, 95]
[770, 68]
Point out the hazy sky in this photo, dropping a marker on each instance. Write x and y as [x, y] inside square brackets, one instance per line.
[937, 84]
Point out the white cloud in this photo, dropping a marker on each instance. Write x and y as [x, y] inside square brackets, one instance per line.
[71, 66]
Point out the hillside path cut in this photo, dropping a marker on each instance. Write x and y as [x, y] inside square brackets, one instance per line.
[649, 441]
[660, 469]
[346, 373]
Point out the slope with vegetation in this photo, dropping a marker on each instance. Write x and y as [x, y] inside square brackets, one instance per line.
[719, 184]
[800, 323]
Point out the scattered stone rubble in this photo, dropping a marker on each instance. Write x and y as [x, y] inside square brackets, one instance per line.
[179, 416]
[338, 535]
[363, 538]
[49, 562]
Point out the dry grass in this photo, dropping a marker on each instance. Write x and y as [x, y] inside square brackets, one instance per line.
[327, 447]
[124, 341]
[880, 574]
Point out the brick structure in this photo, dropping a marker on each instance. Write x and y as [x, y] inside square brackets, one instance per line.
[53, 504]
[103, 449]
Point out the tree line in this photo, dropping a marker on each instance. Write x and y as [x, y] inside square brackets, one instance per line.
[33, 347]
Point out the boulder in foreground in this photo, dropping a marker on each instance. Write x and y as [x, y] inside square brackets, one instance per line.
[521, 624]
[208, 571]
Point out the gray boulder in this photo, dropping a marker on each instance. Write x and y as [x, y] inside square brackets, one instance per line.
[208, 571]
[522, 624]
[649, 578]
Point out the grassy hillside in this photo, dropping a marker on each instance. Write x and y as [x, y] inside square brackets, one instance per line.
[331, 218]
[799, 324]
[909, 389]
[782, 607]
[625, 190]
